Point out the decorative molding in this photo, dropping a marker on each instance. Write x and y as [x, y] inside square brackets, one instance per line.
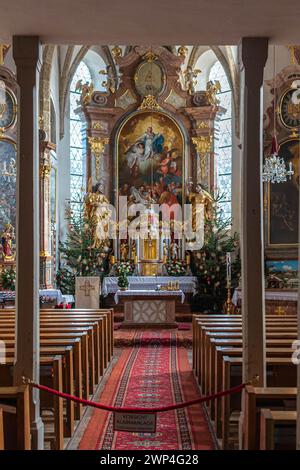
[149, 102]
[97, 145]
[150, 56]
[203, 144]
[125, 100]
[175, 100]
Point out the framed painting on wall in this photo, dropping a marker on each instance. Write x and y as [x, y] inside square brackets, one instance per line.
[283, 205]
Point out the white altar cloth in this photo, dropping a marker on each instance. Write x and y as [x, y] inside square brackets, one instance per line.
[46, 295]
[278, 294]
[150, 293]
[187, 284]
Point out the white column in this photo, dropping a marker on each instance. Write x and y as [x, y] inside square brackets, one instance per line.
[26, 52]
[253, 56]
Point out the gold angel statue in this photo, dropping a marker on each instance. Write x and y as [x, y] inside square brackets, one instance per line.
[212, 88]
[190, 76]
[86, 89]
[98, 215]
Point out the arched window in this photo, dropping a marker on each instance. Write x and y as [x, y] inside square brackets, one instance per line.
[77, 141]
[223, 140]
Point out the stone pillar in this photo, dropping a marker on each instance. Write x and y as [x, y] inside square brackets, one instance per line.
[26, 52]
[253, 56]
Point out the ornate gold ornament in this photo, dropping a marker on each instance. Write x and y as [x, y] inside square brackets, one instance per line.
[86, 90]
[116, 52]
[111, 79]
[149, 102]
[182, 51]
[292, 54]
[8, 107]
[41, 122]
[44, 254]
[3, 50]
[203, 144]
[45, 169]
[97, 147]
[212, 88]
[97, 126]
[150, 56]
[190, 79]
[202, 125]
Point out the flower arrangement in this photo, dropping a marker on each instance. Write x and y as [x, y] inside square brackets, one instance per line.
[8, 279]
[123, 280]
[126, 267]
[176, 268]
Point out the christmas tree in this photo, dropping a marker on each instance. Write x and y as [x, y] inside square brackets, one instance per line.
[209, 264]
[78, 255]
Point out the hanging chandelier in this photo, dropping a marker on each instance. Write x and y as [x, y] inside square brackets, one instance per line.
[275, 169]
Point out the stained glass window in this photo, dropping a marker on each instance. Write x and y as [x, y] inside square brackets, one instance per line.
[223, 140]
[77, 141]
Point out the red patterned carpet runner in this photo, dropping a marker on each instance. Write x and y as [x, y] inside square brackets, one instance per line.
[153, 371]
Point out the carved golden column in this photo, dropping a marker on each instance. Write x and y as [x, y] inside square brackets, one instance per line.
[97, 145]
[46, 258]
[203, 145]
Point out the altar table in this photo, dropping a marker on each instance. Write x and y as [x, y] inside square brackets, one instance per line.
[280, 301]
[149, 307]
[187, 284]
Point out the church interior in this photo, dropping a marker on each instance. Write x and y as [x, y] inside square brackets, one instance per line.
[149, 212]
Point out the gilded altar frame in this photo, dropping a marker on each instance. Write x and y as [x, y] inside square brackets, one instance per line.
[117, 137]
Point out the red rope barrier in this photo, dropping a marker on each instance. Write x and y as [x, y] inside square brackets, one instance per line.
[159, 409]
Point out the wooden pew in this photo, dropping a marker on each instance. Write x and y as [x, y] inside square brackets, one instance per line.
[66, 352]
[280, 372]
[256, 398]
[274, 347]
[272, 419]
[62, 331]
[226, 332]
[50, 375]
[14, 404]
[91, 331]
[200, 325]
[86, 346]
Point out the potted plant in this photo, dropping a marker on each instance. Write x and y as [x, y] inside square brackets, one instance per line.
[123, 280]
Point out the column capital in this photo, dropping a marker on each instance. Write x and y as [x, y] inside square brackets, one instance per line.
[253, 54]
[27, 51]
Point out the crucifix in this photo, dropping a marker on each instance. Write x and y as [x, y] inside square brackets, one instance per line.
[87, 287]
[280, 310]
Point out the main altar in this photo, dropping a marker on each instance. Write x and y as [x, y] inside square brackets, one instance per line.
[155, 135]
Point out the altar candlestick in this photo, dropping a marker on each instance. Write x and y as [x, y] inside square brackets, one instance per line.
[228, 266]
